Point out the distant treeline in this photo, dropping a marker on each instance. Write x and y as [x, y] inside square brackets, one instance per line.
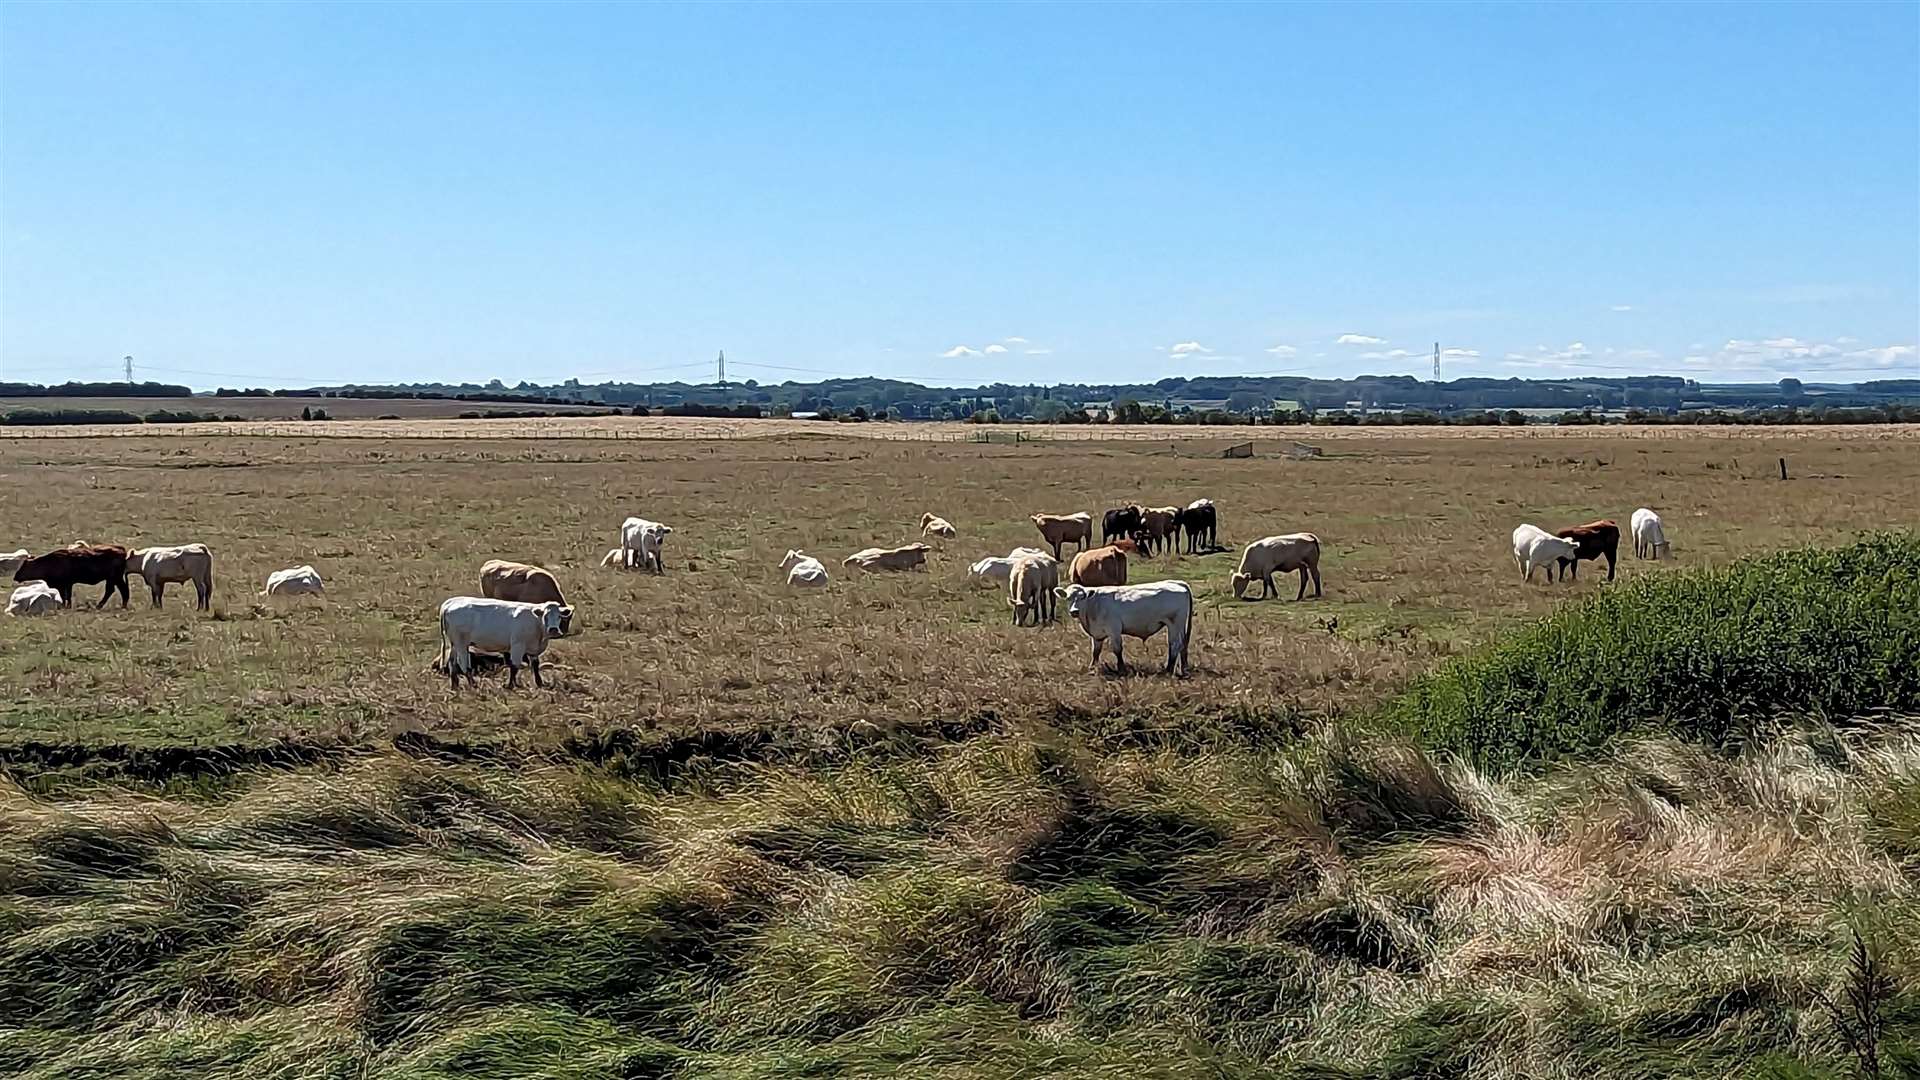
[94, 389]
[362, 393]
[38, 417]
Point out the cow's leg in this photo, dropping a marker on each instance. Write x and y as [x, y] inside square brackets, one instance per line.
[1094, 666]
[66, 596]
[453, 670]
[159, 587]
[513, 672]
[1609, 566]
[105, 593]
[534, 663]
[1120, 654]
[1302, 594]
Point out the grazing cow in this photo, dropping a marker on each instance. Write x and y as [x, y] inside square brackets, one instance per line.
[1591, 541]
[1159, 529]
[1201, 523]
[614, 557]
[1101, 566]
[911, 557]
[1278, 555]
[930, 525]
[1057, 529]
[803, 570]
[33, 598]
[298, 581]
[163, 566]
[1535, 547]
[1030, 588]
[1123, 521]
[79, 564]
[521, 583]
[11, 560]
[1110, 615]
[996, 568]
[640, 544]
[520, 632]
[1649, 535]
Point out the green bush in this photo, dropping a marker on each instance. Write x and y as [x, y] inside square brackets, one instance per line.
[1705, 655]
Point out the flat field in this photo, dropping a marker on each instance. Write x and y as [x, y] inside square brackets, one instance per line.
[1416, 565]
[277, 408]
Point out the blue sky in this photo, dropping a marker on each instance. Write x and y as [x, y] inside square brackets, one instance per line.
[290, 194]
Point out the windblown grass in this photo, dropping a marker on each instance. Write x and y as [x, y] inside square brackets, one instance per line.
[1020, 907]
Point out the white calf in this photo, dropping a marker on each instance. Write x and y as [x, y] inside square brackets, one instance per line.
[803, 569]
[33, 598]
[299, 581]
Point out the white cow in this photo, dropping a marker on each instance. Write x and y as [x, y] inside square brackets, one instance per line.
[908, 557]
[299, 581]
[1535, 547]
[518, 631]
[640, 544]
[935, 525]
[1649, 535]
[11, 560]
[803, 569]
[163, 566]
[1278, 555]
[33, 598]
[1030, 587]
[996, 569]
[1110, 613]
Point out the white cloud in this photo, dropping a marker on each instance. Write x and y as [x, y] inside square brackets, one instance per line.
[1039, 352]
[1460, 354]
[1776, 357]
[1359, 339]
[1843, 340]
[1621, 307]
[1015, 340]
[957, 352]
[1283, 350]
[1390, 354]
[994, 349]
[1186, 347]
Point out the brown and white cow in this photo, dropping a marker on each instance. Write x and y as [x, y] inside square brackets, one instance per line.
[1591, 541]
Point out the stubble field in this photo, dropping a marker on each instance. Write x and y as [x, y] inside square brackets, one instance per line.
[1416, 564]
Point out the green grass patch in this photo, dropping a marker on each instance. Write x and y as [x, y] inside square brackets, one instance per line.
[1706, 655]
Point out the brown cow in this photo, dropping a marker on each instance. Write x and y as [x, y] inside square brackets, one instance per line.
[520, 582]
[1076, 529]
[1101, 566]
[79, 564]
[1160, 526]
[1592, 540]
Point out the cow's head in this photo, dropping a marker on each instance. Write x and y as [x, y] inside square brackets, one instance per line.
[919, 547]
[556, 618]
[1073, 595]
[1240, 583]
[792, 560]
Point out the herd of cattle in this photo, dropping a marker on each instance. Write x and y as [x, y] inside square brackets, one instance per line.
[521, 607]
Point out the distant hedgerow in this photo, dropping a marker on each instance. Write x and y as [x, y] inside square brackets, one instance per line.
[1704, 655]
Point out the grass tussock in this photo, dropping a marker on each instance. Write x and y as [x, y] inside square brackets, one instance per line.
[1706, 655]
[1024, 907]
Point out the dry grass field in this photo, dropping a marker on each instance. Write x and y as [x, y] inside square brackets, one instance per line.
[875, 831]
[1416, 565]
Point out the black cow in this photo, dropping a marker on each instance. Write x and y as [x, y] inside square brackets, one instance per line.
[80, 564]
[1126, 523]
[1201, 524]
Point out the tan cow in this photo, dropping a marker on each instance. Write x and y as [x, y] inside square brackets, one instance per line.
[163, 566]
[1076, 529]
[1030, 588]
[519, 582]
[1101, 566]
[911, 557]
[1278, 555]
[932, 525]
